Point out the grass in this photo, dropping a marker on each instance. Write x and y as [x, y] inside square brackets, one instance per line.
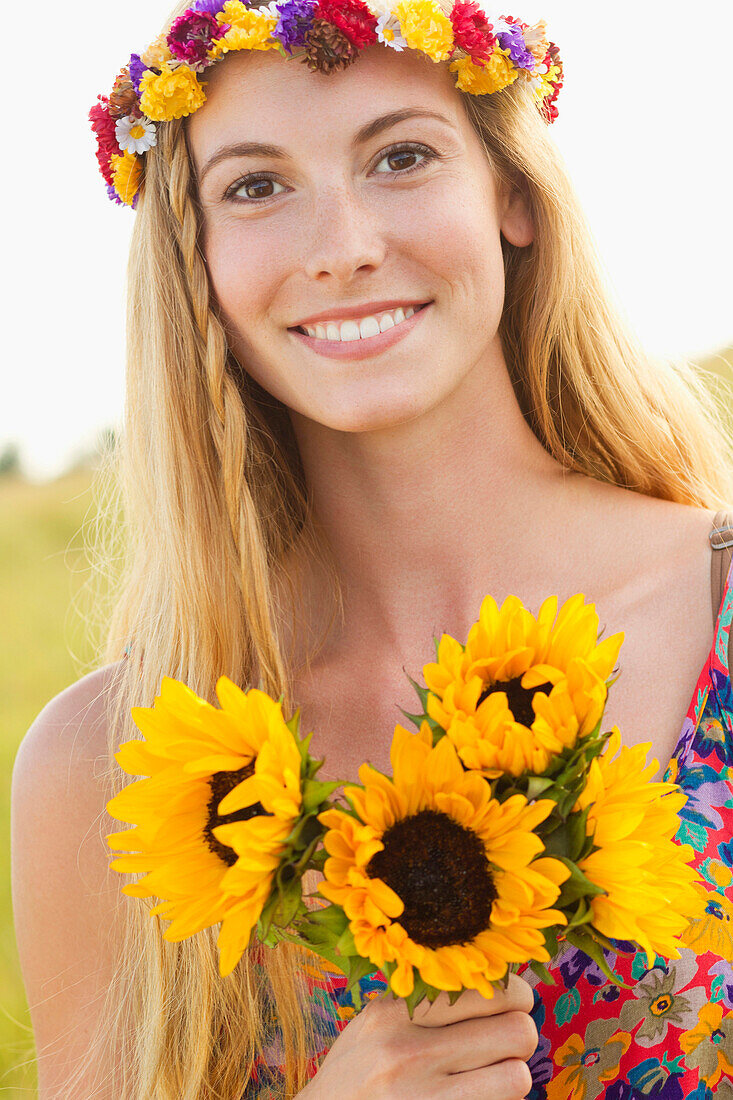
[44, 648]
[42, 651]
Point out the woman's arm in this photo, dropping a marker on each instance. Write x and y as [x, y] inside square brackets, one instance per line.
[67, 904]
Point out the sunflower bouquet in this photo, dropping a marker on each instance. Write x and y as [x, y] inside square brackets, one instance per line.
[510, 823]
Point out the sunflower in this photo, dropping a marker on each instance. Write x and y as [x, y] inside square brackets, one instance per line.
[443, 886]
[522, 689]
[212, 819]
[650, 893]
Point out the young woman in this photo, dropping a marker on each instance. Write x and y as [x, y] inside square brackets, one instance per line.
[307, 503]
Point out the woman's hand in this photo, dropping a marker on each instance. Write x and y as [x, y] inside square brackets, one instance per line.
[477, 1048]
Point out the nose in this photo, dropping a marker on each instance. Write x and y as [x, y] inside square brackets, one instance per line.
[346, 236]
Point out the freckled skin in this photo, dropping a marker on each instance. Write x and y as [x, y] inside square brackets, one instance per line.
[345, 226]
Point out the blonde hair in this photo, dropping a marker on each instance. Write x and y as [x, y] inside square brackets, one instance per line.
[215, 503]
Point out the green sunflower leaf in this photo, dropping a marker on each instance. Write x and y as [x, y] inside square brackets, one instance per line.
[419, 992]
[416, 719]
[331, 917]
[421, 690]
[585, 942]
[552, 945]
[358, 968]
[542, 972]
[265, 922]
[537, 786]
[316, 792]
[583, 914]
[345, 945]
[293, 725]
[287, 906]
[577, 886]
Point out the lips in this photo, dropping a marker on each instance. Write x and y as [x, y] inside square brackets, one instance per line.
[365, 347]
[356, 312]
[340, 320]
[351, 315]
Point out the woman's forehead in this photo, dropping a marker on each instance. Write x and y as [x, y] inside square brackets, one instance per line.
[259, 94]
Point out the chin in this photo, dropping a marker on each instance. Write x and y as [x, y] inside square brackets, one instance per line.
[374, 412]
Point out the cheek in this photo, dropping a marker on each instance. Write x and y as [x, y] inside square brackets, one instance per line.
[244, 272]
[458, 236]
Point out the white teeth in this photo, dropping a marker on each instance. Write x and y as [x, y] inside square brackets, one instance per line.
[368, 327]
[350, 330]
[359, 330]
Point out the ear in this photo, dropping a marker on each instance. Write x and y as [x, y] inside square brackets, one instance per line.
[516, 222]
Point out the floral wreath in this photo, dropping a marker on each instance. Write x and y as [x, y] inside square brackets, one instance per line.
[164, 82]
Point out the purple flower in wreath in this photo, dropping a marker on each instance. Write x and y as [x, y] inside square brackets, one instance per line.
[113, 195]
[137, 68]
[210, 6]
[191, 35]
[296, 17]
[513, 41]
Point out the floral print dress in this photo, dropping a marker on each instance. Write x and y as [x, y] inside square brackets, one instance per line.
[668, 1033]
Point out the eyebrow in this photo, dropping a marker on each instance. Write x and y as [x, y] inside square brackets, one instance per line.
[366, 133]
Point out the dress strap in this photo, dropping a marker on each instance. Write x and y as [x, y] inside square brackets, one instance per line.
[721, 541]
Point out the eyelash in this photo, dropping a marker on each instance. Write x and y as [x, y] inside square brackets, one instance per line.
[402, 147]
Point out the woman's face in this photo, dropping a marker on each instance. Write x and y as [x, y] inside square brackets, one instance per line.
[348, 217]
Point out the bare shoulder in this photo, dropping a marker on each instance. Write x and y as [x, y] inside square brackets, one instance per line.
[66, 902]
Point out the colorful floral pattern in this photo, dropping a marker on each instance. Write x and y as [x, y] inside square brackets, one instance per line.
[167, 80]
[669, 1034]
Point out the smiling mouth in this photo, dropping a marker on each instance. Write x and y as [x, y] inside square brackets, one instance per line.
[302, 331]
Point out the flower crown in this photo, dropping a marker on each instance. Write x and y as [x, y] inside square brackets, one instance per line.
[164, 82]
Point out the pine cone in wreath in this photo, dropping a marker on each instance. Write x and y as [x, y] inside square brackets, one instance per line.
[122, 98]
[327, 49]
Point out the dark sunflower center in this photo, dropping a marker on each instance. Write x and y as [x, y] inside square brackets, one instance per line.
[221, 784]
[439, 870]
[519, 698]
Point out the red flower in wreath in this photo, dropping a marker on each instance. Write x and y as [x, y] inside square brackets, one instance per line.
[352, 17]
[471, 31]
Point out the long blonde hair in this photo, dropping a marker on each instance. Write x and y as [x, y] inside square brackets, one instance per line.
[209, 480]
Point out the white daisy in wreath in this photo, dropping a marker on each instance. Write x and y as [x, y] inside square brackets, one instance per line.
[135, 135]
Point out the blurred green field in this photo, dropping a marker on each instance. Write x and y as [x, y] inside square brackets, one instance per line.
[42, 651]
[44, 648]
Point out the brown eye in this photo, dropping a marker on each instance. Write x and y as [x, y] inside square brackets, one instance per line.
[252, 188]
[395, 156]
[259, 189]
[400, 157]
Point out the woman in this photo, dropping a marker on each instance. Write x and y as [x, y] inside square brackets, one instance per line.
[306, 512]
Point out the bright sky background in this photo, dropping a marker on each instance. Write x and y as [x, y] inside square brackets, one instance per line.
[645, 127]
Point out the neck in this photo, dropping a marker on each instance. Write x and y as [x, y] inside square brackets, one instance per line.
[426, 516]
